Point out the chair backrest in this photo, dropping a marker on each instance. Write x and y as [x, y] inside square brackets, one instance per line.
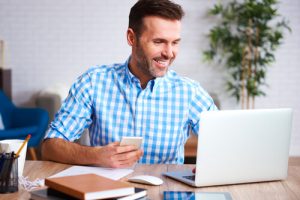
[6, 107]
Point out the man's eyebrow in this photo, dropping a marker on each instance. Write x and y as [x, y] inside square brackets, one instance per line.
[165, 40]
[162, 39]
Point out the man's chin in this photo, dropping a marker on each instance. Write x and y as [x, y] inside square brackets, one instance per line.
[161, 74]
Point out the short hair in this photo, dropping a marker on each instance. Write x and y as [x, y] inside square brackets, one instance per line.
[161, 8]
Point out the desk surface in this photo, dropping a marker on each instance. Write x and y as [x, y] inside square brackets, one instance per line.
[288, 189]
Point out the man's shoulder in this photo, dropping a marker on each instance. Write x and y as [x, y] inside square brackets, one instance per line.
[105, 69]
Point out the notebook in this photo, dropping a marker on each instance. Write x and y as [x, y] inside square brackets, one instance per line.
[89, 186]
[139, 193]
[50, 194]
[240, 146]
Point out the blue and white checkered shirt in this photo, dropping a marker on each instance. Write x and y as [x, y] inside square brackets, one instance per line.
[110, 102]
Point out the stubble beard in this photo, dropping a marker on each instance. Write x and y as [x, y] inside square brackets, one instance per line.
[146, 65]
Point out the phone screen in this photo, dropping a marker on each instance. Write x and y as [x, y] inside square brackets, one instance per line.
[188, 195]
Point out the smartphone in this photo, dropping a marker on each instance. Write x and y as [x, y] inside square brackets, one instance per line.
[137, 141]
[189, 195]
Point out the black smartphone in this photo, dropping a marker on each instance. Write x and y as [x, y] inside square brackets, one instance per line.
[189, 195]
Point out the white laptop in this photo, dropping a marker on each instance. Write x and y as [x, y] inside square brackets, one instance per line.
[240, 146]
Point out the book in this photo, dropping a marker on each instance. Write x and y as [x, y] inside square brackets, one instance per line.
[89, 186]
[138, 194]
[51, 194]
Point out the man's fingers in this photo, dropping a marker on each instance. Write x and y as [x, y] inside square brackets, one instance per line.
[120, 156]
[126, 148]
[127, 163]
[126, 159]
[114, 144]
[122, 163]
[115, 148]
[132, 155]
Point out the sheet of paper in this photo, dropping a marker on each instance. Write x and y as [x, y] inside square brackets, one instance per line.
[114, 174]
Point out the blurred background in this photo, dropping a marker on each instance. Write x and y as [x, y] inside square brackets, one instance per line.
[49, 43]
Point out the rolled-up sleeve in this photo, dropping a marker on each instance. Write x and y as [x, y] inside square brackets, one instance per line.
[75, 113]
[201, 101]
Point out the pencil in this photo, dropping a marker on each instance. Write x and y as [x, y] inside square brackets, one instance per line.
[23, 144]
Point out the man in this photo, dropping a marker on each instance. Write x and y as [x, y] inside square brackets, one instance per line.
[140, 97]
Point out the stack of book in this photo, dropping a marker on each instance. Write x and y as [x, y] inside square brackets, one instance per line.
[87, 186]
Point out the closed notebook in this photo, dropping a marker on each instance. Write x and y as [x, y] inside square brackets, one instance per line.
[89, 186]
[51, 194]
[139, 193]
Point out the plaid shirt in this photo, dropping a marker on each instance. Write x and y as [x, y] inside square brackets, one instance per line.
[110, 102]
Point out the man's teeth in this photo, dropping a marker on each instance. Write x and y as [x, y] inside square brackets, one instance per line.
[165, 63]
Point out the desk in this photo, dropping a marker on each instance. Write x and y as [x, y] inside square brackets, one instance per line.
[288, 189]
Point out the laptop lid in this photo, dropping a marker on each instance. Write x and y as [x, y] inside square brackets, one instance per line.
[238, 146]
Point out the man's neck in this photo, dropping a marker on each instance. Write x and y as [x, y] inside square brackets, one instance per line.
[133, 68]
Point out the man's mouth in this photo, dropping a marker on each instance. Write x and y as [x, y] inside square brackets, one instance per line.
[162, 63]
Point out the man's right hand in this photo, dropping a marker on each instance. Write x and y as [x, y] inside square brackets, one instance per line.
[115, 156]
[112, 155]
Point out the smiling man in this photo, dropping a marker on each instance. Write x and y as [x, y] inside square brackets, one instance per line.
[141, 97]
[155, 49]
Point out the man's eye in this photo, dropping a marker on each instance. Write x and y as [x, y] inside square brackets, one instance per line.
[175, 43]
[157, 42]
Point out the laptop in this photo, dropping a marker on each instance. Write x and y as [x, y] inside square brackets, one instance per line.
[240, 146]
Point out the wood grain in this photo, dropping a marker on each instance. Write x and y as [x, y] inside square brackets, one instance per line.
[288, 189]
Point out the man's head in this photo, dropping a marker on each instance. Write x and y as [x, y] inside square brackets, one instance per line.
[154, 34]
[161, 8]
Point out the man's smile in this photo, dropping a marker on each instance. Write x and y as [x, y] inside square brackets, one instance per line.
[162, 62]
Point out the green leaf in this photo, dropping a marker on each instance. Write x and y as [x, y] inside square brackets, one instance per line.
[217, 9]
[242, 25]
[209, 55]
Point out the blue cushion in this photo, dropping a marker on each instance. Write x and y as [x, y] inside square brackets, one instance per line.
[1, 123]
[19, 133]
[19, 122]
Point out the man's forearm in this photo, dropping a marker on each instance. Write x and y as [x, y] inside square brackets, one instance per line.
[59, 150]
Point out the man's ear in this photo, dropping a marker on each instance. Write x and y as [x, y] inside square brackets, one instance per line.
[131, 37]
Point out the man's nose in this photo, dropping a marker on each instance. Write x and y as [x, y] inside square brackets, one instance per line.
[168, 51]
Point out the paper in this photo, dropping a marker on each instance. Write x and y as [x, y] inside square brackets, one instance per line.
[114, 174]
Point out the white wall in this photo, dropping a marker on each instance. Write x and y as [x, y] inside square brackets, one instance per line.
[53, 41]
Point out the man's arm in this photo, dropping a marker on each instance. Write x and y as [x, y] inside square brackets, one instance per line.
[111, 155]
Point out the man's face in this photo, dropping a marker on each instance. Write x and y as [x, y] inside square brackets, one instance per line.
[156, 48]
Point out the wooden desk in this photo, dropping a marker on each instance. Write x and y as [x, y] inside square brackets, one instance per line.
[288, 189]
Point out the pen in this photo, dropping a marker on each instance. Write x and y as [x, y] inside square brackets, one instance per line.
[23, 144]
[2, 160]
[10, 161]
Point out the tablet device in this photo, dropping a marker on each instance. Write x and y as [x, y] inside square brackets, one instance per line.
[136, 141]
[189, 195]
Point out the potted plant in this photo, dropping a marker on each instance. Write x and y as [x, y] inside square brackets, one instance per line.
[244, 40]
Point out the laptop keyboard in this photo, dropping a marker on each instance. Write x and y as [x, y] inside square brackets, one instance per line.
[190, 177]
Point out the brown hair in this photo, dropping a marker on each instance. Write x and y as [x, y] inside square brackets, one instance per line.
[161, 8]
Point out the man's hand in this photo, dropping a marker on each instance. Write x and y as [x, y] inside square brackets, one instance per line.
[112, 155]
[115, 156]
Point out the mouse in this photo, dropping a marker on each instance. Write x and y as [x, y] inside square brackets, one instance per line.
[146, 179]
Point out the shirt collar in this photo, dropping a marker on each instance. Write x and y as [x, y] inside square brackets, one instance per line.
[132, 79]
